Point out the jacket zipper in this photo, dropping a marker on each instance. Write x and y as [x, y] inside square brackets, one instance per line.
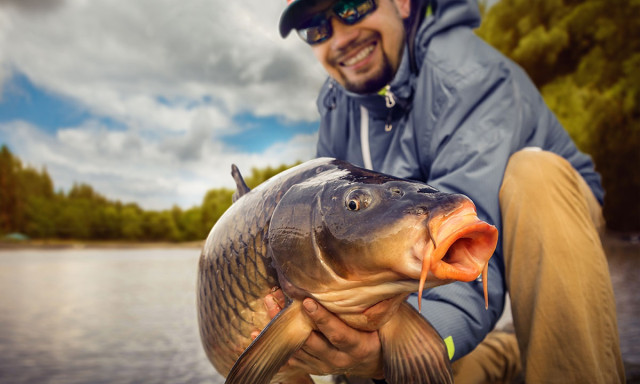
[390, 102]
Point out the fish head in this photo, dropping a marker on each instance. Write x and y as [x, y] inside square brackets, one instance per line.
[354, 239]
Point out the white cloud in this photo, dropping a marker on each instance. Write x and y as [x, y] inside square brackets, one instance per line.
[172, 75]
[111, 53]
[152, 172]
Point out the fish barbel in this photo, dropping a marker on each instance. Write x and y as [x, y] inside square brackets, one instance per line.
[356, 241]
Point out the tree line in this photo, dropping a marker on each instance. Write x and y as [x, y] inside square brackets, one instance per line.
[584, 56]
[30, 205]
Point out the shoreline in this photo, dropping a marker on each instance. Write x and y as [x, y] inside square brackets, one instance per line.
[610, 239]
[75, 244]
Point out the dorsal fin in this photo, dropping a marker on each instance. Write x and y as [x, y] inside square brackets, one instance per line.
[241, 186]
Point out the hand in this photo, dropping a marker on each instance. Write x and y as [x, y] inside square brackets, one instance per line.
[334, 348]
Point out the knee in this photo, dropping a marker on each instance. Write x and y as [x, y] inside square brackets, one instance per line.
[534, 171]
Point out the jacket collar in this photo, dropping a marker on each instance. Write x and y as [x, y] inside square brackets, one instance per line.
[400, 89]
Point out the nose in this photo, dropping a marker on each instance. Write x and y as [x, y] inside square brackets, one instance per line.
[343, 34]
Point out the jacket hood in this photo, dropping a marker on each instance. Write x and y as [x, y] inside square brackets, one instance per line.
[447, 14]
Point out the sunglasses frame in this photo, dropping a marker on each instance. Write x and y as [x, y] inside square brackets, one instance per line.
[321, 21]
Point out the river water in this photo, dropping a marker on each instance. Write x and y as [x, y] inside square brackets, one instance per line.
[129, 316]
[100, 316]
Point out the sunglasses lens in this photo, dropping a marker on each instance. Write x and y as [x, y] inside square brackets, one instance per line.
[352, 11]
[316, 30]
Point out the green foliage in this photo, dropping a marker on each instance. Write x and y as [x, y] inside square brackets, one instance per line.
[29, 205]
[214, 204]
[584, 56]
[217, 201]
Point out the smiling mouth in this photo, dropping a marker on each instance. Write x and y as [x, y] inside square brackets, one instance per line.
[361, 55]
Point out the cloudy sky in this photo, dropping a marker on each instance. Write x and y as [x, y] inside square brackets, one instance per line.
[150, 101]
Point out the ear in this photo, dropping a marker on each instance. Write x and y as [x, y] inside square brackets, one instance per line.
[404, 7]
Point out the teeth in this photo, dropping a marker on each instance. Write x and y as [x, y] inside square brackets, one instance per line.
[361, 55]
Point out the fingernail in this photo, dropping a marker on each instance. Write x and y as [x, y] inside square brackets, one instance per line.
[310, 305]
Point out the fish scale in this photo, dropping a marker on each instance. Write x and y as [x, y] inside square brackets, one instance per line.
[236, 274]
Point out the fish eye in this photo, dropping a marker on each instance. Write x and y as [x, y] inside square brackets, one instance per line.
[357, 199]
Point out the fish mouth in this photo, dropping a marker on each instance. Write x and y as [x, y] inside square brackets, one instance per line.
[461, 245]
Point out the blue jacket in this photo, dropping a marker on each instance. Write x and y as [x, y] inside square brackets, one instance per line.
[458, 116]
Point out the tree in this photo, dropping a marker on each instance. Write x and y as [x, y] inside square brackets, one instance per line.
[10, 216]
[584, 56]
[159, 226]
[131, 219]
[214, 204]
[29, 204]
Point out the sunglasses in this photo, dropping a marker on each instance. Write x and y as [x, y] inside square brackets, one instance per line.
[318, 28]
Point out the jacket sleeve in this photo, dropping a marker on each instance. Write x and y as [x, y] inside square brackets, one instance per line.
[482, 108]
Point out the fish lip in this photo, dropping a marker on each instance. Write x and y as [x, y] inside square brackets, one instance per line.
[453, 256]
[466, 254]
[461, 246]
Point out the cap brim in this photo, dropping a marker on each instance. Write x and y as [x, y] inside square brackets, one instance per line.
[297, 12]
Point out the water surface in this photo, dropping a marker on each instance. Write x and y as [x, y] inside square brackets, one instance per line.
[100, 316]
[129, 316]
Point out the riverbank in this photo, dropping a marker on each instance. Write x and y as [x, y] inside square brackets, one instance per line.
[76, 244]
[614, 243]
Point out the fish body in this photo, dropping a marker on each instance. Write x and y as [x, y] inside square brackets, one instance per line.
[356, 241]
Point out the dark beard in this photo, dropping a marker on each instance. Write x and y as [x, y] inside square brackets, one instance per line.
[375, 84]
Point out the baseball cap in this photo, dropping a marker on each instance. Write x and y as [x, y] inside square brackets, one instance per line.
[297, 11]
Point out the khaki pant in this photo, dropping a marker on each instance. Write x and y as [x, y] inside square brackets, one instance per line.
[562, 300]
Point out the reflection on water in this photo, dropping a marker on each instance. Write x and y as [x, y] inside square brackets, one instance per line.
[100, 316]
[129, 316]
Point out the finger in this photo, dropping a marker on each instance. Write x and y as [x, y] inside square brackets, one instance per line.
[318, 346]
[279, 296]
[271, 303]
[339, 334]
[309, 363]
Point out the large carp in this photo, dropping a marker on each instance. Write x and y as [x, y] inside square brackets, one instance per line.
[356, 241]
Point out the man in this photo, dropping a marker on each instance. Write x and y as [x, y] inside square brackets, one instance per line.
[414, 93]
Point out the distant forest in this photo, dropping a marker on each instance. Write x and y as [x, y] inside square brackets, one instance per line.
[584, 56]
[30, 205]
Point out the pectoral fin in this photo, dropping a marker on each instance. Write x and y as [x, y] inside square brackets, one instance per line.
[285, 334]
[413, 352]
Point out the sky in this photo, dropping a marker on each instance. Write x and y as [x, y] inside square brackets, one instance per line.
[151, 101]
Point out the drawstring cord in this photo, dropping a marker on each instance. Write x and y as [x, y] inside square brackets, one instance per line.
[390, 102]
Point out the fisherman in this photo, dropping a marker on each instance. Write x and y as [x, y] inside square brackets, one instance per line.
[414, 93]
